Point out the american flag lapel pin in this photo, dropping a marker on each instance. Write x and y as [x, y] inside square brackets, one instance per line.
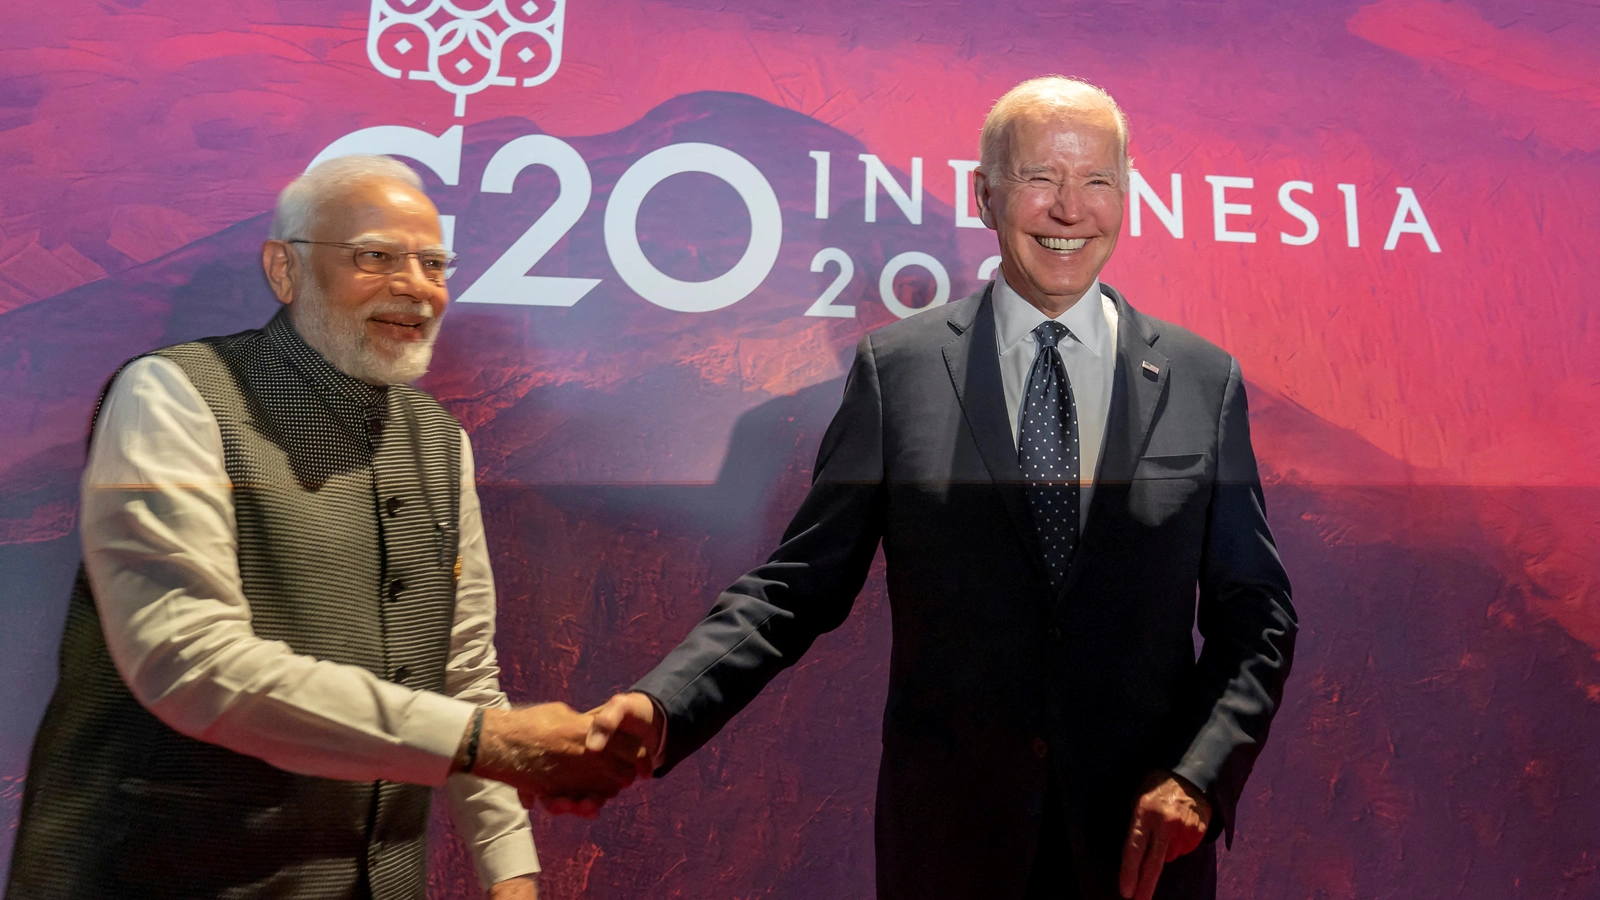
[1151, 367]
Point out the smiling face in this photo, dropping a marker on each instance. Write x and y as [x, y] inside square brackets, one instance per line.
[378, 327]
[1056, 204]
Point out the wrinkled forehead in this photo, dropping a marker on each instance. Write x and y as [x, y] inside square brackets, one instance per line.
[1087, 134]
[376, 207]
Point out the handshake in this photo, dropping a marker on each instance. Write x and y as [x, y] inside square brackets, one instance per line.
[570, 762]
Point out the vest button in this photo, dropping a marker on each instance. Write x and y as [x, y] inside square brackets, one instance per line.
[1040, 748]
[392, 506]
[1053, 634]
[395, 587]
[400, 675]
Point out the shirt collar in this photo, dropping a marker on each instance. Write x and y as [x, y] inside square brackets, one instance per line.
[1015, 318]
[318, 371]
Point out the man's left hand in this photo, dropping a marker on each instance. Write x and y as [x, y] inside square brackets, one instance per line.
[1169, 820]
[523, 887]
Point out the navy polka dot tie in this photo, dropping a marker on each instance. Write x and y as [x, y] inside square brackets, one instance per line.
[1048, 452]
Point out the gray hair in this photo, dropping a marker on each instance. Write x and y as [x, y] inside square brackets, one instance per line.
[1048, 92]
[297, 205]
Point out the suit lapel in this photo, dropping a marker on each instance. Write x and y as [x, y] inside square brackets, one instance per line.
[1138, 385]
[1141, 380]
[973, 358]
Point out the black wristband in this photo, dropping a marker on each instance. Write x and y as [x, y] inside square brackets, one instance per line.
[472, 741]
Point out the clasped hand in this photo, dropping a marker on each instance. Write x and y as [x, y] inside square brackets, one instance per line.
[1170, 819]
[567, 761]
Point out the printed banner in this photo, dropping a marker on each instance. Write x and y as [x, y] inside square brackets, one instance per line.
[676, 218]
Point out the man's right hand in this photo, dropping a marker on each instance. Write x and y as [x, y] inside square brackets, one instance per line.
[540, 751]
[628, 720]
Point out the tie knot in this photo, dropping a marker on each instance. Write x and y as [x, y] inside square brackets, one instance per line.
[1050, 333]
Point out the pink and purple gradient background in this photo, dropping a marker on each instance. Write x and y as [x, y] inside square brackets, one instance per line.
[1426, 422]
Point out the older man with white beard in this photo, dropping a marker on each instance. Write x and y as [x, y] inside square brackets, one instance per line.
[282, 634]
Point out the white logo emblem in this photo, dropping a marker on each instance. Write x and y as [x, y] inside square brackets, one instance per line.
[499, 42]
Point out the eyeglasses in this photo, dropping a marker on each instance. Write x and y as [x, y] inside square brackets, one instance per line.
[384, 258]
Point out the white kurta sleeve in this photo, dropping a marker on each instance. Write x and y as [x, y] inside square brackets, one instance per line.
[160, 547]
[487, 814]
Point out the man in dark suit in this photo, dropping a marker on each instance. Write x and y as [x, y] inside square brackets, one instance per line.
[1055, 478]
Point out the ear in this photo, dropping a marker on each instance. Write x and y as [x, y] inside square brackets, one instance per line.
[279, 265]
[981, 192]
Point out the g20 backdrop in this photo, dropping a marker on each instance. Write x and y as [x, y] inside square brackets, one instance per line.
[676, 218]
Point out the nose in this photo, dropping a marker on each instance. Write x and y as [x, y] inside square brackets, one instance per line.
[411, 280]
[1068, 207]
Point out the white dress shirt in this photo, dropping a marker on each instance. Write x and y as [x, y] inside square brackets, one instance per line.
[1090, 358]
[161, 550]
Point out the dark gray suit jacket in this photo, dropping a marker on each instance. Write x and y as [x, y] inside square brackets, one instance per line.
[999, 686]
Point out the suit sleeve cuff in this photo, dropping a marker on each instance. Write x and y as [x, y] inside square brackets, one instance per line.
[660, 753]
[1192, 774]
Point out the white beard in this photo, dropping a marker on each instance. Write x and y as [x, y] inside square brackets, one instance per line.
[343, 341]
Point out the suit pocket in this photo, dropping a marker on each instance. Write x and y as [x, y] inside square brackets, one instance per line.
[1168, 488]
[1171, 465]
[157, 794]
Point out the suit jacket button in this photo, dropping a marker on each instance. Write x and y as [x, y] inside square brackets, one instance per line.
[400, 675]
[392, 506]
[395, 587]
[1040, 748]
[1053, 634]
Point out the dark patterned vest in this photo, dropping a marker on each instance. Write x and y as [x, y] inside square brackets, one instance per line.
[347, 503]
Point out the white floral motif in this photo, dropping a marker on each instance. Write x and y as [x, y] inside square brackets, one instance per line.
[476, 39]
